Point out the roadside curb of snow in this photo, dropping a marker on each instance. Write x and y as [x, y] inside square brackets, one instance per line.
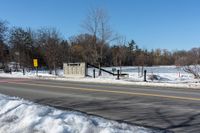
[124, 82]
[114, 81]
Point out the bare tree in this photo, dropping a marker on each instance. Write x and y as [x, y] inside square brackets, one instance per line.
[190, 61]
[3, 30]
[64, 52]
[3, 48]
[194, 68]
[49, 39]
[179, 58]
[83, 48]
[97, 24]
[120, 52]
[21, 44]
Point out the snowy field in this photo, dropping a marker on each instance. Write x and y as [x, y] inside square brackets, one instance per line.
[168, 76]
[20, 116]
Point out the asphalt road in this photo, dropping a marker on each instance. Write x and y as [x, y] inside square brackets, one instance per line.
[173, 109]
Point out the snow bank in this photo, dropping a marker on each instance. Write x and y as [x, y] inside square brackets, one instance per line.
[20, 116]
[167, 76]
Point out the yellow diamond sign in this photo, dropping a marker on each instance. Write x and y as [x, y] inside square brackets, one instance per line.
[35, 62]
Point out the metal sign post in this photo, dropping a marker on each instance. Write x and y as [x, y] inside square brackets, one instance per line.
[35, 64]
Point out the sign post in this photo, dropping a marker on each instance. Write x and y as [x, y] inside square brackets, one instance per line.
[35, 64]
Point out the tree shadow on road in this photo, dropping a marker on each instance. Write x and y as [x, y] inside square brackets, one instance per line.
[138, 113]
[188, 122]
[109, 109]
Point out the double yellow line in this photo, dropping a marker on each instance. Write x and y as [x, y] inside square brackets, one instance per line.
[111, 91]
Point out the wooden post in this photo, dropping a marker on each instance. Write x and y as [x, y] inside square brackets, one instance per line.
[93, 73]
[145, 74]
[117, 74]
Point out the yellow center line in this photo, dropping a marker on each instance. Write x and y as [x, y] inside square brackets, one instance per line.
[111, 91]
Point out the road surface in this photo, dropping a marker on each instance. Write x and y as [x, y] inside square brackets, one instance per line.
[173, 109]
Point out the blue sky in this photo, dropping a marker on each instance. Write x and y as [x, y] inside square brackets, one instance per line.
[165, 24]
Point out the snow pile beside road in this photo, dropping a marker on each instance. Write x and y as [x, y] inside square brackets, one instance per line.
[167, 76]
[20, 116]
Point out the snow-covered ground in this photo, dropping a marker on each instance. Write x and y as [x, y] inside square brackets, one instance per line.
[168, 76]
[21, 116]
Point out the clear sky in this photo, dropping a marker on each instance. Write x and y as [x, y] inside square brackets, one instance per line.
[166, 24]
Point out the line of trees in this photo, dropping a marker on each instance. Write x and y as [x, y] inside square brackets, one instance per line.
[94, 46]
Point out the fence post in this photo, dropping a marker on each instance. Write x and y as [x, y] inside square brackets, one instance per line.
[118, 74]
[145, 75]
[93, 73]
[23, 71]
